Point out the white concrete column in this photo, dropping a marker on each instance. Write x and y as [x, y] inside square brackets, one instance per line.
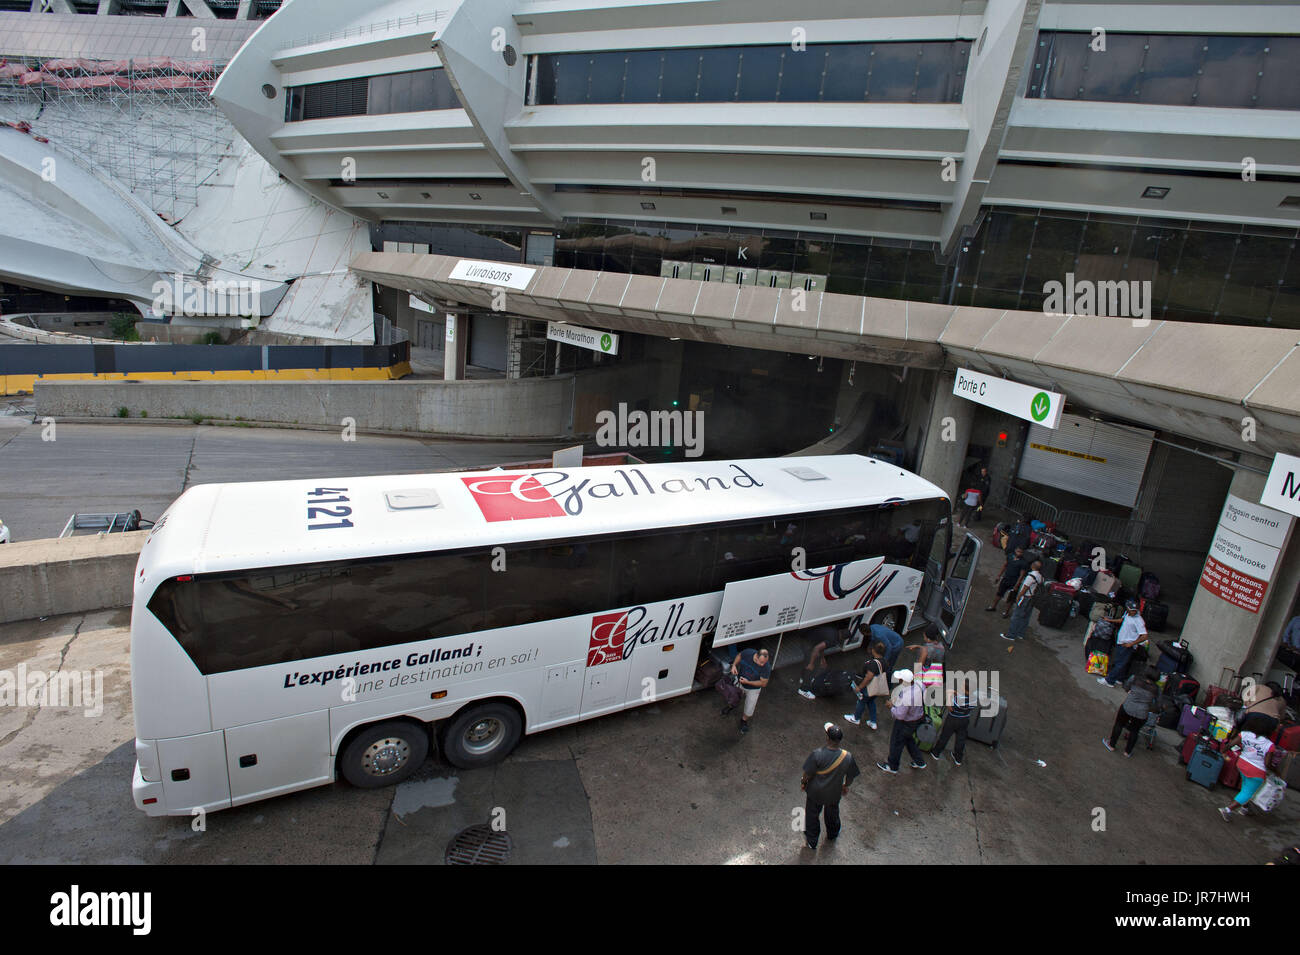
[457, 346]
[946, 436]
[1221, 634]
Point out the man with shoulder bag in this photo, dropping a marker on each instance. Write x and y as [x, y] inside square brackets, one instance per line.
[827, 773]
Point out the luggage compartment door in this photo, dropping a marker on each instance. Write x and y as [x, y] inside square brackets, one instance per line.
[760, 607]
[194, 771]
[276, 756]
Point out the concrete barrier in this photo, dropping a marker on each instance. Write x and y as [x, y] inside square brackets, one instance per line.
[72, 575]
[521, 408]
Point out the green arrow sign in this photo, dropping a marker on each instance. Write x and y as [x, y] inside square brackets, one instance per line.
[604, 342]
[1040, 406]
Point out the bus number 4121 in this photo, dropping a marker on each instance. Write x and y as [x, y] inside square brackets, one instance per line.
[321, 495]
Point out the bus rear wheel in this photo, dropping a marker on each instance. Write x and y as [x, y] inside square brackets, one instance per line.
[481, 735]
[384, 754]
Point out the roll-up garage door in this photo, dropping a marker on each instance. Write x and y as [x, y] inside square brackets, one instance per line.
[487, 341]
[1100, 460]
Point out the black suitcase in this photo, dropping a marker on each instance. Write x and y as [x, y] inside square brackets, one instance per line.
[1055, 612]
[1173, 659]
[1156, 616]
[1085, 598]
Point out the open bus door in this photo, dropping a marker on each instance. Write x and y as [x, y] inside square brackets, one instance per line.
[949, 579]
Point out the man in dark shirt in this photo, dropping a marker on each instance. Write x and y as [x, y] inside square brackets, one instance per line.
[827, 773]
[753, 668]
[1013, 571]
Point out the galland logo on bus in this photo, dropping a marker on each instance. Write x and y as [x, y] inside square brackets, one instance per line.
[512, 497]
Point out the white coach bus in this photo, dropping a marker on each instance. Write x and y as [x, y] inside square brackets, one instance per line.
[287, 632]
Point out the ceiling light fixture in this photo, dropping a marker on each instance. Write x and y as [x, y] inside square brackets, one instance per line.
[1155, 192]
[647, 206]
[475, 195]
[817, 216]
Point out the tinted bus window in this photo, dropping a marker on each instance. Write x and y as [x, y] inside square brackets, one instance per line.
[386, 602]
[550, 581]
[755, 549]
[266, 617]
[660, 567]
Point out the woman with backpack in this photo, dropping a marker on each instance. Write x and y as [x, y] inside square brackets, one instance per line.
[1135, 709]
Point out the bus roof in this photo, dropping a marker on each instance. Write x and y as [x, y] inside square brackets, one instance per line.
[222, 527]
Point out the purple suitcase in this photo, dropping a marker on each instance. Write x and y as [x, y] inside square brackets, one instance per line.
[1194, 720]
[729, 690]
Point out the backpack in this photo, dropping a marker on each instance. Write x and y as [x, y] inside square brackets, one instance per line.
[1149, 586]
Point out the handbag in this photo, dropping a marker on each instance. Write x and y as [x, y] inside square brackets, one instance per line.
[879, 685]
[1098, 662]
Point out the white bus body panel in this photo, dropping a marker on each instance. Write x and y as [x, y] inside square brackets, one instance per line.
[290, 753]
[208, 785]
[766, 606]
[169, 693]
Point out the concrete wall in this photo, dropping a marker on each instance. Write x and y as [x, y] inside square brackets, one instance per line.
[74, 575]
[526, 408]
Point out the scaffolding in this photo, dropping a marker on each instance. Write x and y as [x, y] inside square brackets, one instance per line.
[147, 122]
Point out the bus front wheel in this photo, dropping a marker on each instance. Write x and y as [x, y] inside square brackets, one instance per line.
[384, 754]
[891, 617]
[481, 735]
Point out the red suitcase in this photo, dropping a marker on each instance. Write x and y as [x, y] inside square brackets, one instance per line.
[1062, 589]
[1068, 567]
[1189, 745]
[1287, 737]
[1228, 775]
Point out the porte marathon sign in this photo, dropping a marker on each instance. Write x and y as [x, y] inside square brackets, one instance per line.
[1023, 401]
[582, 337]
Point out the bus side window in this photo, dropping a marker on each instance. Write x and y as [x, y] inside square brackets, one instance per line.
[753, 549]
[548, 582]
[176, 605]
[262, 618]
[657, 567]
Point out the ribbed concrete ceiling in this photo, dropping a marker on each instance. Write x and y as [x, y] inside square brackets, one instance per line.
[1194, 380]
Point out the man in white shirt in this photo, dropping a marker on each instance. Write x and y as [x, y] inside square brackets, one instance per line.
[1024, 605]
[1132, 634]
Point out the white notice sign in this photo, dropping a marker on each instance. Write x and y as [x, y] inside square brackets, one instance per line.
[493, 273]
[1023, 401]
[583, 337]
[1244, 552]
[1282, 489]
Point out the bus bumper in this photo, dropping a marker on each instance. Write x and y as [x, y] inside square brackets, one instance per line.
[148, 796]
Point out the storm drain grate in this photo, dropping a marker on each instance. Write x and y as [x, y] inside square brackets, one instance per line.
[478, 845]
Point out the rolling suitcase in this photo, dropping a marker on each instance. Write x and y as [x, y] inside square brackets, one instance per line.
[1194, 720]
[1170, 713]
[1204, 766]
[1228, 775]
[1180, 684]
[1189, 746]
[1174, 658]
[987, 728]
[1156, 616]
[1051, 567]
[1129, 575]
[831, 683]
[1055, 612]
[1067, 570]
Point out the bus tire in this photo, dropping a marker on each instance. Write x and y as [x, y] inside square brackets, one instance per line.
[891, 617]
[384, 754]
[481, 735]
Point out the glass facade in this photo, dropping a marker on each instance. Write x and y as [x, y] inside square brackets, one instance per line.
[899, 72]
[409, 92]
[1199, 271]
[1245, 72]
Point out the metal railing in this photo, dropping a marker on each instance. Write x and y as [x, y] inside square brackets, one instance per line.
[381, 26]
[1023, 503]
[1110, 530]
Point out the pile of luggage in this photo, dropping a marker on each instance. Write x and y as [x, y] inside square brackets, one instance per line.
[1074, 586]
[1205, 731]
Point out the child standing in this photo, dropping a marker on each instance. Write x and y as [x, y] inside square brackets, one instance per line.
[1252, 764]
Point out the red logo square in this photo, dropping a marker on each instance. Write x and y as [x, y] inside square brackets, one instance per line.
[512, 497]
[608, 631]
